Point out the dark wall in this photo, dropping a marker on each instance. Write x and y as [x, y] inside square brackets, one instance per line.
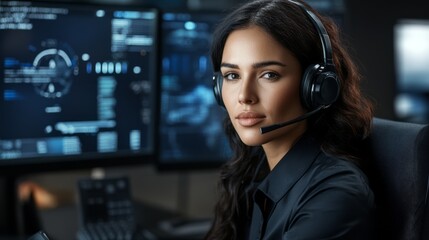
[370, 31]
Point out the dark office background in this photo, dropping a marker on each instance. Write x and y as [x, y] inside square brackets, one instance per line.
[368, 28]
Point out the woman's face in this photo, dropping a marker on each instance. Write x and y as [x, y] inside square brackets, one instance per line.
[261, 86]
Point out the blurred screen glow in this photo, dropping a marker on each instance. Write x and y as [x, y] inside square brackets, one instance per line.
[412, 55]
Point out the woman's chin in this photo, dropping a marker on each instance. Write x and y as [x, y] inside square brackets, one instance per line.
[252, 138]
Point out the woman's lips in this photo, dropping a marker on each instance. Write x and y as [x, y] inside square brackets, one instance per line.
[249, 119]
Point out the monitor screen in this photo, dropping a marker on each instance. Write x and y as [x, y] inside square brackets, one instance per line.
[77, 82]
[191, 123]
[411, 49]
[412, 55]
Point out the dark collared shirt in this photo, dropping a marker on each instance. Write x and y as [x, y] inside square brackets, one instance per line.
[310, 195]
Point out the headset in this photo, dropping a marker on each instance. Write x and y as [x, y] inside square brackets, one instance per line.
[319, 87]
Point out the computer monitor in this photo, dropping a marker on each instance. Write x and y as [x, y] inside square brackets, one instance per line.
[78, 82]
[411, 51]
[191, 131]
[78, 85]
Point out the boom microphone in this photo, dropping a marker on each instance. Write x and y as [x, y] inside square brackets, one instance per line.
[273, 127]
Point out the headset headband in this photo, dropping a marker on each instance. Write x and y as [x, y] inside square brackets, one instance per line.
[323, 34]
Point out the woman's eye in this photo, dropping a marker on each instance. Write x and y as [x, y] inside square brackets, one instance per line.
[230, 76]
[270, 75]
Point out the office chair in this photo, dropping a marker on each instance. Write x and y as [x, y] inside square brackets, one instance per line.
[398, 171]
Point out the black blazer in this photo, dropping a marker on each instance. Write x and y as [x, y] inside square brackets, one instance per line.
[310, 195]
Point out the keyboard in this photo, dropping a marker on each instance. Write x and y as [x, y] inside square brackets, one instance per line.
[114, 230]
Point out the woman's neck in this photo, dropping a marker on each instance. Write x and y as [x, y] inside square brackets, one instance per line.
[276, 149]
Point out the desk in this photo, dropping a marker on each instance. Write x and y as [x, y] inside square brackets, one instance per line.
[62, 223]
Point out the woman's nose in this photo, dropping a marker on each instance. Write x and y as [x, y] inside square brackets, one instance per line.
[247, 93]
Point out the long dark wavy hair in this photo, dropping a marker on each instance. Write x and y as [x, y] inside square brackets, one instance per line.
[340, 128]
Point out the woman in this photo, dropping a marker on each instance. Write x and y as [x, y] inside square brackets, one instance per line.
[301, 180]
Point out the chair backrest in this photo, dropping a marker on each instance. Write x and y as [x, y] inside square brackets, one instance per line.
[398, 170]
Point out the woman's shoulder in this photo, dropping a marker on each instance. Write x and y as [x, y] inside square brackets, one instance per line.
[336, 194]
[336, 164]
[338, 172]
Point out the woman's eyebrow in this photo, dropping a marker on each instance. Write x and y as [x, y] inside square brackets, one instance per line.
[229, 65]
[255, 65]
[268, 63]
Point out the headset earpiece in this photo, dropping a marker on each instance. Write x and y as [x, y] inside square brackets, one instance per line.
[319, 87]
[217, 88]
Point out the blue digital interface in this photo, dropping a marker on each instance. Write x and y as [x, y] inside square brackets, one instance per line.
[191, 123]
[76, 80]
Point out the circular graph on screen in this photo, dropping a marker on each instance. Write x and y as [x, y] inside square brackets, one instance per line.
[55, 65]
